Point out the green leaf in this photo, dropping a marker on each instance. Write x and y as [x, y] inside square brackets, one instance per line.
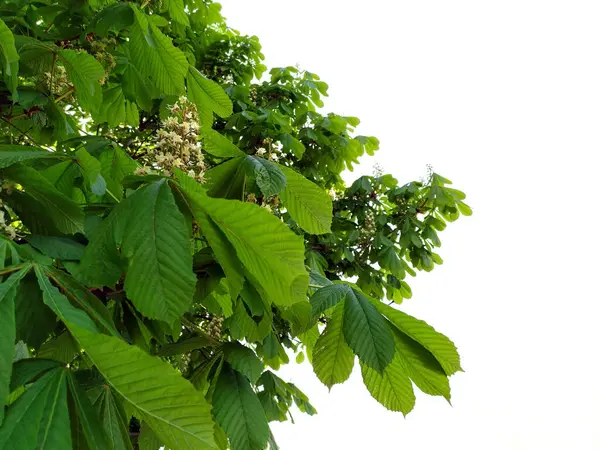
[239, 412]
[388, 259]
[269, 177]
[148, 439]
[243, 360]
[292, 144]
[116, 109]
[66, 215]
[116, 164]
[57, 247]
[155, 56]
[39, 418]
[137, 88]
[159, 279]
[332, 359]
[113, 418]
[218, 145]
[87, 416]
[442, 348]
[7, 325]
[206, 93]
[177, 413]
[268, 250]
[34, 320]
[92, 171]
[176, 11]
[27, 370]
[366, 332]
[308, 204]
[12, 154]
[60, 304]
[186, 345]
[85, 72]
[327, 297]
[392, 388]
[10, 58]
[61, 348]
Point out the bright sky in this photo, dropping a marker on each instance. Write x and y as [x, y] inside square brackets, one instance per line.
[503, 98]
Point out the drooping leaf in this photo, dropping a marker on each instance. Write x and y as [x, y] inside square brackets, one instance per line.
[239, 412]
[10, 58]
[366, 332]
[442, 348]
[243, 360]
[178, 414]
[392, 387]
[308, 204]
[332, 359]
[159, 279]
[206, 93]
[85, 72]
[327, 297]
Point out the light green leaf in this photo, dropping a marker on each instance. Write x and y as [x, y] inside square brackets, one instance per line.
[88, 417]
[442, 348]
[269, 177]
[66, 215]
[388, 259]
[60, 304]
[148, 440]
[308, 204]
[155, 56]
[116, 110]
[177, 413]
[327, 297]
[39, 418]
[218, 145]
[11, 154]
[239, 412]
[10, 58]
[292, 144]
[366, 332]
[332, 359]
[268, 250]
[92, 171]
[244, 360]
[206, 93]
[392, 388]
[159, 279]
[85, 72]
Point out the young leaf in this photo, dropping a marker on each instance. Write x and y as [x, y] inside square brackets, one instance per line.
[366, 332]
[239, 412]
[308, 204]
[332, 359]
[159, 279]
[206, 93]
[178, 414]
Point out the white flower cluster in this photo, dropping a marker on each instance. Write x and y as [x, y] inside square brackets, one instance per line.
[272, 152]
[177, 145]
[60, 82]
[213, 329]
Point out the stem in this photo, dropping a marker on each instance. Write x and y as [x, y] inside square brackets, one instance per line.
[21, 132]
[65, 94]
[11, 269]
[53, 67]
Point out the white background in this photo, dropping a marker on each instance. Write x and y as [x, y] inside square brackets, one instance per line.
[503, 98]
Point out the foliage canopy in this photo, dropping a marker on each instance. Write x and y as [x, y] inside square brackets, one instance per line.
[173, 230]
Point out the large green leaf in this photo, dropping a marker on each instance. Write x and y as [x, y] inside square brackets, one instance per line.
[366, 332]
[92, 171]
[137, 88]
[176, 11]
[308, 204]
[57, 246]
[12, 154]
[148, 439]
[39, 418]
[116, 109]
[442, 348]
[34, 320]
[159, 279]
[218, 145]
[332, 359]
[239, 412]
[206, 93]
[178, 413]
[114, 421]
[268, 176]
[243, 360]
[392, 388]
[268, 250]
[88, 417]
[328, 296]
[66, 215]
[85, 72]
[155, 56]
[10, 58]
[7, 325]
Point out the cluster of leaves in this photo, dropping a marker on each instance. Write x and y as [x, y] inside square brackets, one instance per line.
[144, 309]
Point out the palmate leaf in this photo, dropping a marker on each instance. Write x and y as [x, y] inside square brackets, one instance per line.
[148, 439]
[442, 348]
[268, 250]
[7, 325]
[66, 215]
[366, 332]
[85, 72]
[114, 421]
[239, 412]
[10, 58]
[206, 93]
[177, 413]
[155, 56]
[12, 154]
[308, 204]
[159, 279]
[332, 359]
[39, 418]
